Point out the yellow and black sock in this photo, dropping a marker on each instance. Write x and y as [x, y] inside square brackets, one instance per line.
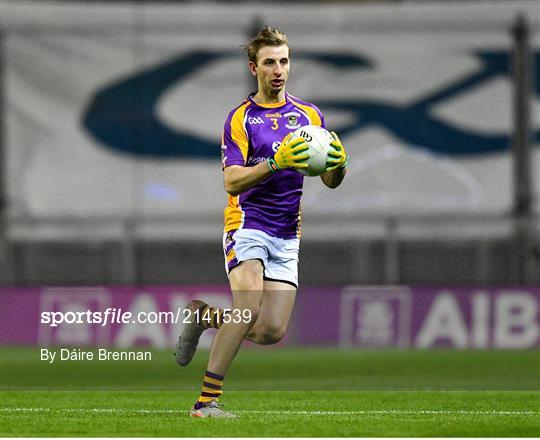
[211, 389]
[210, 317]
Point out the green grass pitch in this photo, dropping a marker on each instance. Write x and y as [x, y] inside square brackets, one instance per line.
[278, 392]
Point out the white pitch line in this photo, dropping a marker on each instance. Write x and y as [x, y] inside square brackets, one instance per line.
[399, 412]
[304, 412]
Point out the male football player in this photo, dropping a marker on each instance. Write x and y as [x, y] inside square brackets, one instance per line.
[262, 217]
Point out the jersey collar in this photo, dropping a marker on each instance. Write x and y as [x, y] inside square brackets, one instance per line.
[274, 105]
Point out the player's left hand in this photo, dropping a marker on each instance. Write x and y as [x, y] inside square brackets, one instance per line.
[337, 157]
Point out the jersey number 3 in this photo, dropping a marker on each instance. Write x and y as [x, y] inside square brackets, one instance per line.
[274, 123]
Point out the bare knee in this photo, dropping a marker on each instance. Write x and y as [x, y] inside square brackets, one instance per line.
[269, 334]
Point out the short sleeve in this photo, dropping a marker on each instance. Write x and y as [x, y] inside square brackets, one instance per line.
[234, 143]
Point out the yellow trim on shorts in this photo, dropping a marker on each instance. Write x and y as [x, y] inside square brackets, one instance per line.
[230, 255]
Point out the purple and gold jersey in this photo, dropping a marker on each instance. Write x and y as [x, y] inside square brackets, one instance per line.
[252, 134]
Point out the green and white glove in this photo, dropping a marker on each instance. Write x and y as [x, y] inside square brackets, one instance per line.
[290, 154]
[337, 157]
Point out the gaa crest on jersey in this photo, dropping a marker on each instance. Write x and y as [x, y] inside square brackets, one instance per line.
[255, 120]
[292, 120]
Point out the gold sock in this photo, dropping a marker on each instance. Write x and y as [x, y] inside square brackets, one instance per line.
[210, 317]
[211, 389]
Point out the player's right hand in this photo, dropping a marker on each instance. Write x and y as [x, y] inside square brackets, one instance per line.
[291, 154]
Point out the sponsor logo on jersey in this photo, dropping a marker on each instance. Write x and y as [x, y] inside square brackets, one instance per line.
[255, 120]
[292, 120]
[255, 160]
[273, 115]
[275, 146]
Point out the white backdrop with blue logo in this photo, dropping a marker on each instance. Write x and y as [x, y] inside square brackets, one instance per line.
[118, 109]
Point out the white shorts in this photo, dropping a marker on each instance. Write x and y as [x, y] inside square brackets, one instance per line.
[279, 256]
